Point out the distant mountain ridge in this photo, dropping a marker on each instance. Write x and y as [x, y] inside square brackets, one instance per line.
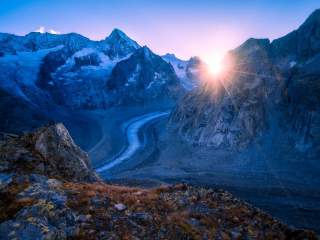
[47, 71]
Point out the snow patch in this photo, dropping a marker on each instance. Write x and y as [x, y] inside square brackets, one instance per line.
[292, 64]
[135, 74]
[84, 52]
[42, 29]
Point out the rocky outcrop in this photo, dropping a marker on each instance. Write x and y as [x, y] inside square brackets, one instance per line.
[50, 151]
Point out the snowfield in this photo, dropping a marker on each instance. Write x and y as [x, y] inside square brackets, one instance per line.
[21, 70]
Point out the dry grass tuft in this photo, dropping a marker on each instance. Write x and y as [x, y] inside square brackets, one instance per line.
[9, 205]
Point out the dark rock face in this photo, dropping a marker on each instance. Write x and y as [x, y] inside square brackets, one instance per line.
[73, 80]
[301, 101]
[301, 44]
[300, 94]
[268, 88]
[141, 77]
[49, 151]
[89, 60]
[50, 63]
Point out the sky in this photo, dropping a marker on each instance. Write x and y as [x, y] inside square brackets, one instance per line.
[186, 28]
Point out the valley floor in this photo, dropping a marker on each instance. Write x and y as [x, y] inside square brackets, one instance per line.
[287, 188]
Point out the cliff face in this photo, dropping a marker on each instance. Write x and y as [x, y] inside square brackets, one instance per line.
[49, 191]
[230, 110]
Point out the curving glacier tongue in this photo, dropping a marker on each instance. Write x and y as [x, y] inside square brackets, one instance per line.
[132, 130]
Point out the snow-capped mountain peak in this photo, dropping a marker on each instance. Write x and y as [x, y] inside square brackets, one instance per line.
[117, 33]
[118, 45]
[119, 36]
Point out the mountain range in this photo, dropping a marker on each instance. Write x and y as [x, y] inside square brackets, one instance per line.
[268, 95]
[43, 71]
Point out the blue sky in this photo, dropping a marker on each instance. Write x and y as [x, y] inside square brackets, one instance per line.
[187, 28]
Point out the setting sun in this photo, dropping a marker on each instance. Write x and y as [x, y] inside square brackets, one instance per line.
[215, 64]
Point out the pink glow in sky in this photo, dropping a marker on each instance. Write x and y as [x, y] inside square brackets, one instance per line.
[186, 28]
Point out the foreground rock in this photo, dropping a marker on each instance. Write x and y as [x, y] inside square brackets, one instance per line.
[57, 201]
[50, 151]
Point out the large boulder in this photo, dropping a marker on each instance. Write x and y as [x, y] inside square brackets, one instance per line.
[49, 151]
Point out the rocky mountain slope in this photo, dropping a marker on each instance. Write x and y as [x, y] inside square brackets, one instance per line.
[269, 91]
[143, 76]
[50, 192]
[188, 71]
[77, 79]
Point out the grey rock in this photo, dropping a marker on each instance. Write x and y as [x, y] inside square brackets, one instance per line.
[141, 217]
[54, 183]
[120, 206]
[55, 149]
